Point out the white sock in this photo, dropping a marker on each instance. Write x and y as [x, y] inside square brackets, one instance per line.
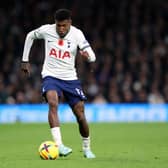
[86, 143]
[56, 134]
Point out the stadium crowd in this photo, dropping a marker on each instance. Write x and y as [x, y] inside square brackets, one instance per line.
[130, 39]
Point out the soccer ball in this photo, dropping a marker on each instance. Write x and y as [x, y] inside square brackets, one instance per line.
[48, 150]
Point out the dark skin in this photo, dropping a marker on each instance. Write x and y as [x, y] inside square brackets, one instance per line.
[62, 28]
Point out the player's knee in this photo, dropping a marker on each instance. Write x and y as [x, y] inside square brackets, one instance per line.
[78, 110]
[80, 118]
[80, 115]
[79, 107]
[52, 102]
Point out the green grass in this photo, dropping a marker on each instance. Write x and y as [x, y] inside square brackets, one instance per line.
[116, 145]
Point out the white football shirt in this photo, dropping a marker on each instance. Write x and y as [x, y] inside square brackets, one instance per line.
[60, 54]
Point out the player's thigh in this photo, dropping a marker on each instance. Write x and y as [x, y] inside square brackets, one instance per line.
[52, 97]
[51, 90]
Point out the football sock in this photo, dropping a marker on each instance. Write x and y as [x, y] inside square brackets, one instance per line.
[86, 143]
[56, 133]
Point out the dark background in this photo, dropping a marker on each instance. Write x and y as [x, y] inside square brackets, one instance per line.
[129, 37]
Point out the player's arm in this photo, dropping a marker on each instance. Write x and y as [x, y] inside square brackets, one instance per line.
[88, 54]
[85, 49]
[31, 36]
[25, 66]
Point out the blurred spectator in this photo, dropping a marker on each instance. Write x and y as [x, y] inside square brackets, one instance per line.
[99, 99]
[154, 95]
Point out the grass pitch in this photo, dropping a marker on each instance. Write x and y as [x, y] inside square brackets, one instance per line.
[116, 145]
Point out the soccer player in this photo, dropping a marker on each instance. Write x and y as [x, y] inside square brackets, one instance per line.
[59, 76]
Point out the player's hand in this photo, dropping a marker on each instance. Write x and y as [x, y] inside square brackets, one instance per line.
[84, 54]
[25, 67]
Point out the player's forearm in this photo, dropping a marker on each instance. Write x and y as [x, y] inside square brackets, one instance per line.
[27, 46]
[92, 57]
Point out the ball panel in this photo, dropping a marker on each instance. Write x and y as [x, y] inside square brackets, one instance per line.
[43, 155]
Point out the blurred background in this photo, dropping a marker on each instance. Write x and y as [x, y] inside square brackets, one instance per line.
[130, 39]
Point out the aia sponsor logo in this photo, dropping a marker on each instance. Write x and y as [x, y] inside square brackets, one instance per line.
[59, 53]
